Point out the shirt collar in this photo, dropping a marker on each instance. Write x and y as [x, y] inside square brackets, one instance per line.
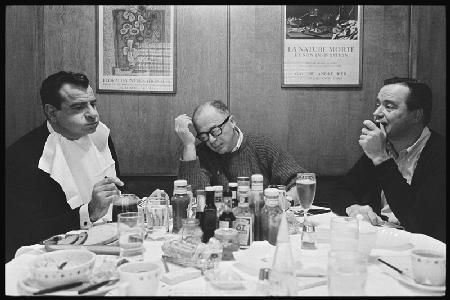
[417, 144]
[239, 142]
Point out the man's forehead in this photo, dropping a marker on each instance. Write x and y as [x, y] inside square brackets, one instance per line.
[76, 93]
[209, 115]
[393, 92]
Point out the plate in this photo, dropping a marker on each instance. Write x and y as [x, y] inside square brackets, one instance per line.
[104, 268]
[413, 283]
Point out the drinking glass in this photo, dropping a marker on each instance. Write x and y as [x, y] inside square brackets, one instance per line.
[157, 216]
[344, 233]
[306, 190]
[131, 235]
[124, 203]
[347, 273]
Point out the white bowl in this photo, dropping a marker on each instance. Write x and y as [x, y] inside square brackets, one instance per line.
[390, 237]
[78, 267]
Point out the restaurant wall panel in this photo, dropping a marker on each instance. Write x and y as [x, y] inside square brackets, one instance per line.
[319, 126]
[429, 56]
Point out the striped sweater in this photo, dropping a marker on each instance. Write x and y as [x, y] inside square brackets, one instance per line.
[257, 155]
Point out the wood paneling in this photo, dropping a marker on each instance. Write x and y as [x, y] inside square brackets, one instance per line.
[429, 57]
[23, 70]
[319, 126]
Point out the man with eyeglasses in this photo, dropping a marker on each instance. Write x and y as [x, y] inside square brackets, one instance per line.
[400, 178]
[225, 152]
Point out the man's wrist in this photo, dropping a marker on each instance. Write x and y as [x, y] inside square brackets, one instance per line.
[379, 159]
[189, 152]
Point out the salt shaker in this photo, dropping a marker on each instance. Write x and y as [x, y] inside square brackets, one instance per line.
[263, 284]
[308, 237]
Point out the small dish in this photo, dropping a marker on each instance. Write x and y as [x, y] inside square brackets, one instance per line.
[224, 279]
[411, 282]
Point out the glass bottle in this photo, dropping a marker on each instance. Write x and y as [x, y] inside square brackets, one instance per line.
[245, 218]
[209, 221]
[233, 188]
[201, 201]
[227, 217]
[218, 199]
[256, 202]
[191, 231]
[180, 203]
[271, 216]
[282, 196]
[282, 277]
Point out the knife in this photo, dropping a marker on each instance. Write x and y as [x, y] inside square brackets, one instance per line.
[58, 288]
[97, 285]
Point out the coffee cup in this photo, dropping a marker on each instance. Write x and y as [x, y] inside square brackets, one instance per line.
[142, 278]
[428, 267]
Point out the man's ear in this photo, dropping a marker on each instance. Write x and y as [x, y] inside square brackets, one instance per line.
[418, 115]
[233, 124]
[50, 112]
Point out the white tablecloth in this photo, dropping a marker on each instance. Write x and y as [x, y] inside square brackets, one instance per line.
[378, 282]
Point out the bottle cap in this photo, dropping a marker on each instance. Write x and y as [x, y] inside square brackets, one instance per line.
[232, 184]
[271, 192]
[218, 188]
[264, 274]
[309, 228]
[209, 189]
[257, 177]
[180, 182]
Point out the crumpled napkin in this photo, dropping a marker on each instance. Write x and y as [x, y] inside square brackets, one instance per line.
[155, 195]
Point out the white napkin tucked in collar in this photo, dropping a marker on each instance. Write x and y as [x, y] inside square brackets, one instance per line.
[78, 164]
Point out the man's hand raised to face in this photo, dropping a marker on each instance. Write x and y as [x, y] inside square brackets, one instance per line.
[373, 142]
[103, 193]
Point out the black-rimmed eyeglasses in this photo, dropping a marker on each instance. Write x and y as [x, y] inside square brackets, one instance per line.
[215, 131]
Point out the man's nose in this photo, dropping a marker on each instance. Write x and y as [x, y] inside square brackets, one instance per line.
[211, 138]
[378, 112]
[91, 112]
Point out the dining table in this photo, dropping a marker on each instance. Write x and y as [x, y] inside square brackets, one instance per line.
[381, 280]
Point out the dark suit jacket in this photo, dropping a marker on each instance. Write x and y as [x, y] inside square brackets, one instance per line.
[420, 207]
[36, 206]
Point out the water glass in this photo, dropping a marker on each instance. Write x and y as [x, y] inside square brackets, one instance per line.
[131, 235]
[344, 234]
[157, 216]
[347, 273]
[367, 237]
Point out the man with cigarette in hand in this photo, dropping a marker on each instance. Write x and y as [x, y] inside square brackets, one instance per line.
[401, 176]
[63, 175]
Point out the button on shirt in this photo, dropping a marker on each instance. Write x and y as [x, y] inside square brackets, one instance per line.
[406, 161]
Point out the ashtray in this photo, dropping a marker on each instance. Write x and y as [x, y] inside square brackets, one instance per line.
[224, 279]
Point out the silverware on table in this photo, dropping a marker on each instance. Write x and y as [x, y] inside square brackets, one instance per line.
[97, 285]
[394, 268]
[166, 267]
[58, 288]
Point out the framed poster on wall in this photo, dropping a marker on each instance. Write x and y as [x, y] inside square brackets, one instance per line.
[136, 48]
[322, 46]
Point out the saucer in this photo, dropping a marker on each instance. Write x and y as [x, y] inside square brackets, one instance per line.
[104, 268]
[411, 282]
